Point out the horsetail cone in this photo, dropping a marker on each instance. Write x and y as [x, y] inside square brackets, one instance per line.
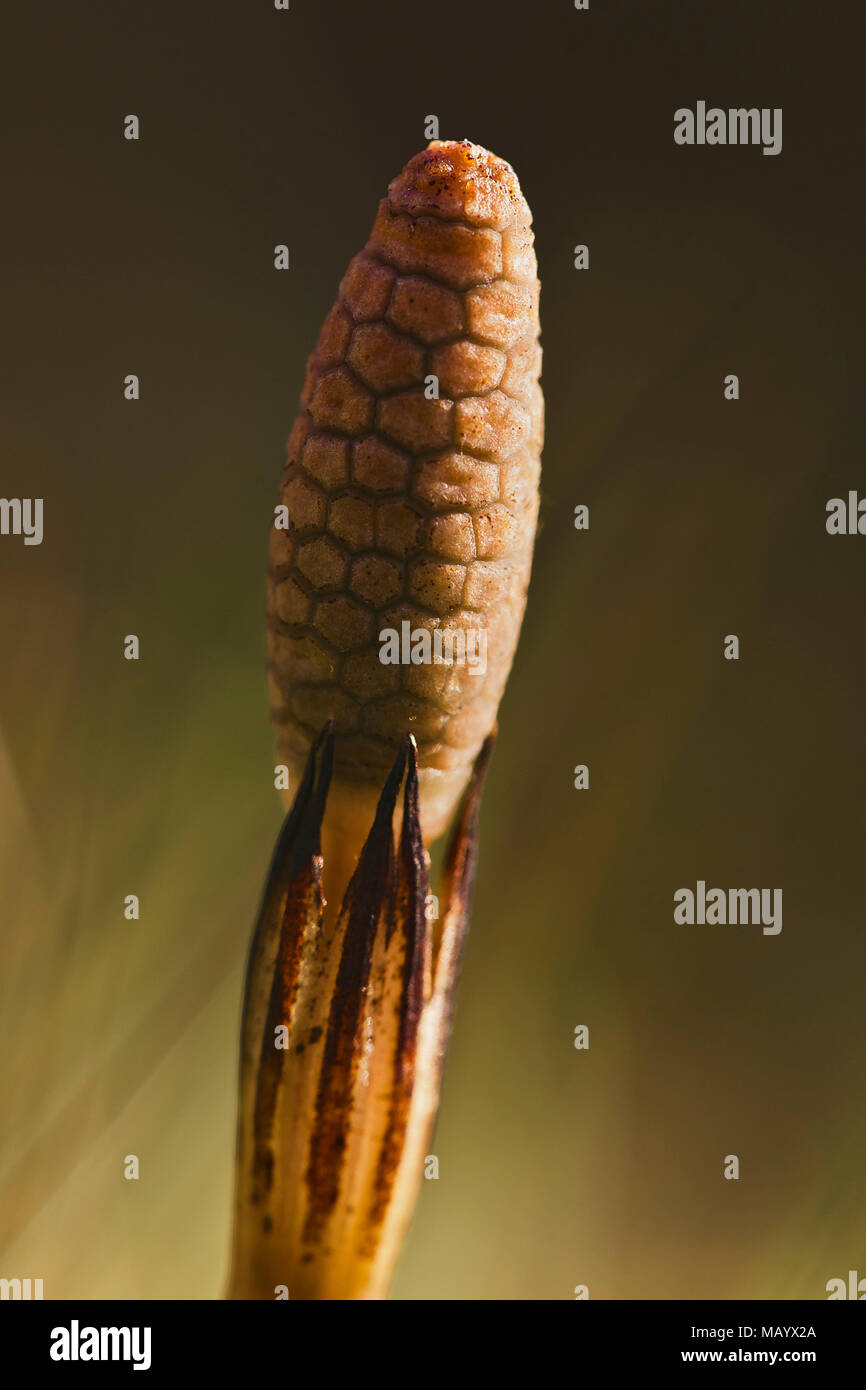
[411, 484]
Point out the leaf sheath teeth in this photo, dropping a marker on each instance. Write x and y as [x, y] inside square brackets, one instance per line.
[343, 1038]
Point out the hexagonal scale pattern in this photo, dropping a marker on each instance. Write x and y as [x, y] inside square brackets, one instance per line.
[412, 473]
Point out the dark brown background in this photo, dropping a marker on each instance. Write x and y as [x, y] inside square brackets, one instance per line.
[707, 517]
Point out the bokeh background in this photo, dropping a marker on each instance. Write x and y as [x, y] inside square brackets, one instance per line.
[557, 1167]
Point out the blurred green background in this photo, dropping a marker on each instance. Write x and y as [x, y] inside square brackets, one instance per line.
[557, 1167]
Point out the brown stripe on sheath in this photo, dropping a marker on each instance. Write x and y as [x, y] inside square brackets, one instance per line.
[293, 899]
[368, 899]
[410, 901]
[458, 886]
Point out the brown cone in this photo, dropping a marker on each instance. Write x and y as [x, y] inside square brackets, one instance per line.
[405, 508]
